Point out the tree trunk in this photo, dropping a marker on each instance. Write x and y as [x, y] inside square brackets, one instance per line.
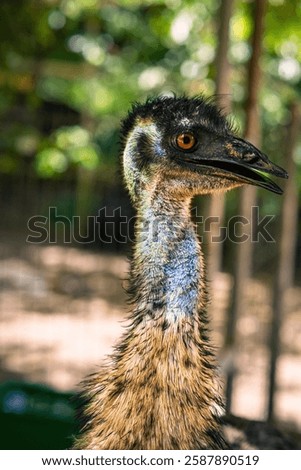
[286, 257]
[223, 90]
[247, 197]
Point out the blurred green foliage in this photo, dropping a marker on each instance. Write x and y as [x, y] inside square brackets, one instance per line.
[95, 57]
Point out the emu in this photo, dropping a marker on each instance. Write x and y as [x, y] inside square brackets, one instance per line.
[160, 387]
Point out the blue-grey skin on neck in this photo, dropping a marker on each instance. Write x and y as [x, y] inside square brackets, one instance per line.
[168, 252]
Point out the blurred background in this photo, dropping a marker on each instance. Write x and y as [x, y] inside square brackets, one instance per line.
[70, 70]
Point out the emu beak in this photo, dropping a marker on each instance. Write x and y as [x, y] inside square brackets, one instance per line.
[237, 160]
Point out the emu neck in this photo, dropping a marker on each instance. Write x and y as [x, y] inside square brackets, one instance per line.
[160, 389]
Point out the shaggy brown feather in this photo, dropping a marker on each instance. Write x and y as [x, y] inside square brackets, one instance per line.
[156, 394]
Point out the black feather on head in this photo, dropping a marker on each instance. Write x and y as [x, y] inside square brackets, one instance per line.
[168, 112]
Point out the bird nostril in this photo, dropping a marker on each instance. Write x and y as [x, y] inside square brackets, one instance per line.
[250, 157]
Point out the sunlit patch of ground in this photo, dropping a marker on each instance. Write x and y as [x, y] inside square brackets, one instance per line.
[62, 309]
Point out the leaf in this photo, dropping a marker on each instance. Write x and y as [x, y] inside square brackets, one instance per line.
[51, 162]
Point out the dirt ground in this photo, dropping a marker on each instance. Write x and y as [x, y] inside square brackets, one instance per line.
[62, 310]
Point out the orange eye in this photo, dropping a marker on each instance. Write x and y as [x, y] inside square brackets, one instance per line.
[185, 141]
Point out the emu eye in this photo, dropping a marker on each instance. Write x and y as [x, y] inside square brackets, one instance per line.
[185, 141]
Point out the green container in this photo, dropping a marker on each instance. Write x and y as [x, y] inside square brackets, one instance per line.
[33, 416]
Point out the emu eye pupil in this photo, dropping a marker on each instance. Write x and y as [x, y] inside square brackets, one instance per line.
[185, 141]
